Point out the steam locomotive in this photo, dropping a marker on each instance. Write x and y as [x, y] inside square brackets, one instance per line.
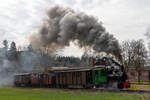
[103, 73]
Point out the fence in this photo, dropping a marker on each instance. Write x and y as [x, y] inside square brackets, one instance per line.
[139, 76]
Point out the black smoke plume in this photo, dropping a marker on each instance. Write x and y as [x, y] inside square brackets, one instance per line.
[64, 25]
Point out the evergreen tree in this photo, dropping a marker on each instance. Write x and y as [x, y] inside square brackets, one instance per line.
[5, 43]
[12, 54]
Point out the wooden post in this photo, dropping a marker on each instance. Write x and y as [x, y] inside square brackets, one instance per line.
[149, 76]
[139, 74]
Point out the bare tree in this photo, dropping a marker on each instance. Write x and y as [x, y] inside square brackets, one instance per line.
[134, 53]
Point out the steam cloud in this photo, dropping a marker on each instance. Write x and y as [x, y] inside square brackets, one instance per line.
[64, 25]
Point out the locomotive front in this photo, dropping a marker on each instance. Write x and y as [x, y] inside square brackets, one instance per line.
[108, 73]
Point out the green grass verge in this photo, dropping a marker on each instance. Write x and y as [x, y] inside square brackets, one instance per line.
[62, 94]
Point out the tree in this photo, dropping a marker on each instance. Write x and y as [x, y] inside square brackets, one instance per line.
[12, 54]
[5, 49]
[13, 46]
[5, 43]
[134, 53]
[30, 48]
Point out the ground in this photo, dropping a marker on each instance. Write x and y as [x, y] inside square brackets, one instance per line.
[66, 94]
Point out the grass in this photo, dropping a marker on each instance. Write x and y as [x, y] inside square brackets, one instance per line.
[65, 94]
[140, 87]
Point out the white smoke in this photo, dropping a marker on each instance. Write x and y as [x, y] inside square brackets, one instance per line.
[15, 62]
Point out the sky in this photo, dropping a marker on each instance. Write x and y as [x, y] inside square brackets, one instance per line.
[126, 19]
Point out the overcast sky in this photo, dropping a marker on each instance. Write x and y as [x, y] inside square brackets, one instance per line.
[126, 19]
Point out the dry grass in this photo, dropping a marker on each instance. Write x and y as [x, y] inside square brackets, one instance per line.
[140, 87]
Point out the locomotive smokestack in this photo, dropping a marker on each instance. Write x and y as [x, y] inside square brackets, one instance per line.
[64, 25]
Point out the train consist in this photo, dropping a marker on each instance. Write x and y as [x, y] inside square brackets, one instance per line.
[103, 73]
